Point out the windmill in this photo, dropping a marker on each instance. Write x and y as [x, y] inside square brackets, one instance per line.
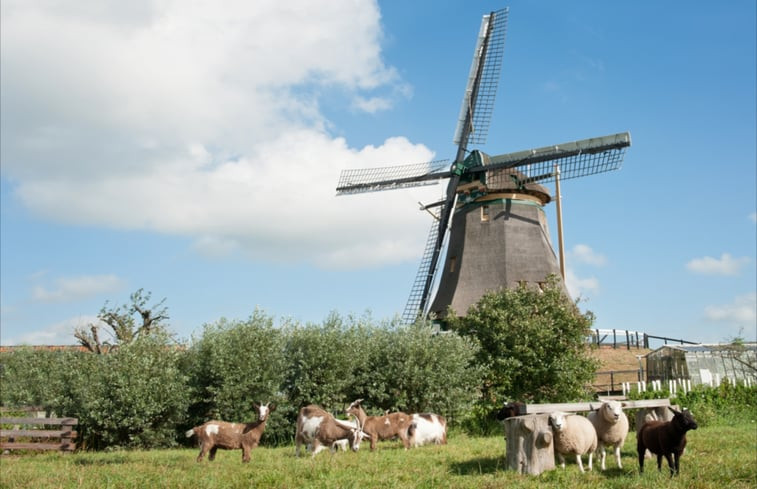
[493, 206]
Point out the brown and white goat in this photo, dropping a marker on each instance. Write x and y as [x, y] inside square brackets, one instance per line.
[319, 429]
[383, 427]
[231, 436]
[427, 428]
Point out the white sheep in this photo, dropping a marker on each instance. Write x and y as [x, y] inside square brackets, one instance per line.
[611, 424]
[574, 435]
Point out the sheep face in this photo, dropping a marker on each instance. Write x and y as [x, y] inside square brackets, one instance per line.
[557, 421]
[683, 420]
[611, 411]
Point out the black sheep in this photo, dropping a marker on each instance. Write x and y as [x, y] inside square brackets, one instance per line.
[665, 439]
[511, 409]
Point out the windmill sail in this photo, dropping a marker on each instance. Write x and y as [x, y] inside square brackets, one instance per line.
[492, 205]
[483, 80]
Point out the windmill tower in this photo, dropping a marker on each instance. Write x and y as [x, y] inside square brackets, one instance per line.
[493, 206]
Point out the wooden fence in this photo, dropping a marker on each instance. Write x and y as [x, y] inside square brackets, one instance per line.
[623, 338]
[36, 433]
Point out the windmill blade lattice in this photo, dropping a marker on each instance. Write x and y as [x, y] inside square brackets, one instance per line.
[418, 294]
[575, 159]
[478, 100]
[362, 180]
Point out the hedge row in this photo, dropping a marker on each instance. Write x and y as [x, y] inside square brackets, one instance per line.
[147, 393]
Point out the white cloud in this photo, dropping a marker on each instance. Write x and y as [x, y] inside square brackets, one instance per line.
[743, 310]
[202, 119]
[61, 333]
[582, 253]
[725, 265]
[580, 287]
[753, 217]
[75, 288]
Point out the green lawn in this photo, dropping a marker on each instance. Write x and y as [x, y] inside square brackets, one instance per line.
[717, 457]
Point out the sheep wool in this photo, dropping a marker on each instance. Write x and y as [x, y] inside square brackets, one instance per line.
[573, 435]
[611, 424]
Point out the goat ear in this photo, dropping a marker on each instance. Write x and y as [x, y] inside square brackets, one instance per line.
[672, 410]
[272, 408]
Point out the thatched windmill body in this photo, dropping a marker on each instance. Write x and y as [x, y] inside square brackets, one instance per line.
[494, 205]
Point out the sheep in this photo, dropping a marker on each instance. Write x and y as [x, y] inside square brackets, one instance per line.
[230, 436]
[381, 427]
[427, 428]
[319, 429]
[510, 409]
[651, 414]
[665, 438]
[574, 435]
[611, 424]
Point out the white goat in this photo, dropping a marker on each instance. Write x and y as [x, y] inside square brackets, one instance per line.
[319, 429]
[229, 436]
[611, 424]
[427, 428]
[574, 435]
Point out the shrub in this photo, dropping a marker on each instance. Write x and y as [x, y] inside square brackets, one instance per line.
[134, 397]
[532, 344]
[232, 365]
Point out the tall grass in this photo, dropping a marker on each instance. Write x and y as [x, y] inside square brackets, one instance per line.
[718, 456]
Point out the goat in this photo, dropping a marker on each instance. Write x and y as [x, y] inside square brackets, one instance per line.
[665, 438]
[381, 427]
[230, 436]
[427, 428]
[573, 434]
[611, 424]
[319, 429]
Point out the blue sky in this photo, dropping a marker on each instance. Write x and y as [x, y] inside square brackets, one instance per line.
[192, 150]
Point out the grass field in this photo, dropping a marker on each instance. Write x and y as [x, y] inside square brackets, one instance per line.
[718, 456]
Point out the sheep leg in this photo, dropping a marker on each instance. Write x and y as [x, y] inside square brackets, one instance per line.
[641, 449]
[591, 454]
[617, 457]
[578, 461]
[673, 466]
[602, 455]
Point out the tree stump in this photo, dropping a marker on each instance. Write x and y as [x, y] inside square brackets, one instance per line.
[529, 444]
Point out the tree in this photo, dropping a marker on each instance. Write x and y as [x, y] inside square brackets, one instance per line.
[122, 323]
[532, 344]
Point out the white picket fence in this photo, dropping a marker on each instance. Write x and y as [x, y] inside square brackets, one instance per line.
[684, 385]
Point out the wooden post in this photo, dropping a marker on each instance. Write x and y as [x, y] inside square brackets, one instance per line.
[529, 444]
[558, 203]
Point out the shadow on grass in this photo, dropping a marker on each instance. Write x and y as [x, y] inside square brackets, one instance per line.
[478, 466]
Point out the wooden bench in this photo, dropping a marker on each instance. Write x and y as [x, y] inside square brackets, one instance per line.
[529, 448]
[61, 437]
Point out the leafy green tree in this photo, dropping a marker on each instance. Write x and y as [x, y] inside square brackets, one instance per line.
[533, 344]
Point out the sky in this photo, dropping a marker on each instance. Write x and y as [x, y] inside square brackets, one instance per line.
[192, 149]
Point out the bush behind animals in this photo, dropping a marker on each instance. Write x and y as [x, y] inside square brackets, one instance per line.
[532, 344]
